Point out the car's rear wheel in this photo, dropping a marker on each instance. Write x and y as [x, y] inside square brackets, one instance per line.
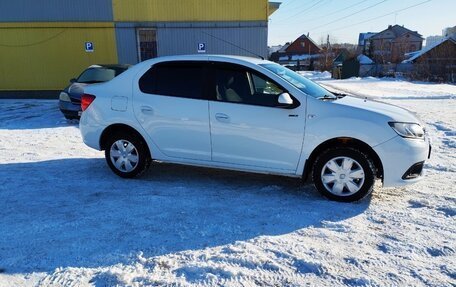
[344, 174]
[127, 155]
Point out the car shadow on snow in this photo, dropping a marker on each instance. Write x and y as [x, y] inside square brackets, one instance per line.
[77, 213]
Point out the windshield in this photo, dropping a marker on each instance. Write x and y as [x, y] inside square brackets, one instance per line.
[305, 85]
[99, 75]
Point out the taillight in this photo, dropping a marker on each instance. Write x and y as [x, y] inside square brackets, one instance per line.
[86, 100]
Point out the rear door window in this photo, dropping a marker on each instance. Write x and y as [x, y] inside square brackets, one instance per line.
[175, 79]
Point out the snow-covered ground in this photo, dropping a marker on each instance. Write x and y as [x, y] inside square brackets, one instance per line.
[384, 88]
[67, 220]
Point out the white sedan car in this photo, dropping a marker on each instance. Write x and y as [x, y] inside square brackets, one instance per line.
[251, 115]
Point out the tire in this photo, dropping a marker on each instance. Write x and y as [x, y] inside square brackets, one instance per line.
[127, 155]
[70, 118]
[343, 174]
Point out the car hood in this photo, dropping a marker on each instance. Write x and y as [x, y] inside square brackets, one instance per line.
[75, 90]
[394, 113]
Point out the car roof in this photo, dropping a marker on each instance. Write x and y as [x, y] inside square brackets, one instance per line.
[209, 57]
[110, 66]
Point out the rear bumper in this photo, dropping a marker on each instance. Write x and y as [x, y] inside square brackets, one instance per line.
[70, 109]
[401, 156]
[90, 131]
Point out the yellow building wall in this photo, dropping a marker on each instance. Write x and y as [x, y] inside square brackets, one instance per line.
[44, 56]
[190, 10]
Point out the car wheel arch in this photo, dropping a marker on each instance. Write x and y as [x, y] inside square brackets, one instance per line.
[115, 128]
[343, 142]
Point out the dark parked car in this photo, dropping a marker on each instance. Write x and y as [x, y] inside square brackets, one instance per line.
[70, 97]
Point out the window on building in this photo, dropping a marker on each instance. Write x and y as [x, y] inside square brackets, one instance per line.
[176, 79]
[147, 44]
[387, 46]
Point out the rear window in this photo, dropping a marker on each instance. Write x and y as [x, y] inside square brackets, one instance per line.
[175, 79]
[99, 75]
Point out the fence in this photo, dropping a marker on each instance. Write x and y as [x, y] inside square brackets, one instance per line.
[424, 72]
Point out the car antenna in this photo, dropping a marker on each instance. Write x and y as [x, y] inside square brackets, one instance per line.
[234, 45]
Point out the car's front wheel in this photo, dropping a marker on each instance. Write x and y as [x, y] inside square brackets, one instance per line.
[344, 174]
[127, 155]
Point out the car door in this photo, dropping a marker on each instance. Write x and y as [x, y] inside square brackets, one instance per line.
[171, 104]
[248, 127]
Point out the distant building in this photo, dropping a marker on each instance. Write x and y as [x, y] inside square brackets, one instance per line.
[342, 55]
[450, 32]
[303, 45]
[436, 62]
[390, 45]
[364, 60]
[300, 53]
[274, 49]
[284, 48]
[433, 40]
[363, 42]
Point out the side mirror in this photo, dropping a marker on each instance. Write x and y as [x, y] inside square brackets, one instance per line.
[285, 99]
[73, 80]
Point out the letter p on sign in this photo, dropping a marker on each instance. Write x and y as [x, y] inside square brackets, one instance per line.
[89, 47]
[201, 47]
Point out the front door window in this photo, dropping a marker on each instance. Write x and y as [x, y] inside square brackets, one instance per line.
[241, 86]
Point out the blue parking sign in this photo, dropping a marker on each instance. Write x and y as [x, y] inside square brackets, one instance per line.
[201, 47]
[89, 47]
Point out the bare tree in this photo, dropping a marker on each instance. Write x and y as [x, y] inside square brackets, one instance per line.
[400, 48]
[380, 51]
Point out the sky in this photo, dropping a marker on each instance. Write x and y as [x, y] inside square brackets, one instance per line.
[322, 17]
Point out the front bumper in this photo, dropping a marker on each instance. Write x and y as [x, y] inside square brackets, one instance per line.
[399, 156]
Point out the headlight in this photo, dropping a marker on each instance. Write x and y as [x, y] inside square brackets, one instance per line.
[408, 130]
[64, 97]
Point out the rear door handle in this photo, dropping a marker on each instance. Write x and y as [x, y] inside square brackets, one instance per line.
[147, 110]
[222, 117]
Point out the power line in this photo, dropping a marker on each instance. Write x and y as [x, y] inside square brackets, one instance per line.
[232, 44]
[282, 12]
[391, 13]
[35, 43]
[305, 11]
[345, 17]
[301, 11]
[384, 15]
[286, 8]
[287, 4]
[335, 12]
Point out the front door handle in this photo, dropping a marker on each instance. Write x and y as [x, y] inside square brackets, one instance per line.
[222, 117]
